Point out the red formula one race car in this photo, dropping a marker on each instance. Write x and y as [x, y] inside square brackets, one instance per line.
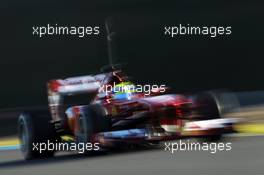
[108, 111]
[119, 114]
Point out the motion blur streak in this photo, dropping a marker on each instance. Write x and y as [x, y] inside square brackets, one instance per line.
[9, 144]
[245, 158]
[251, 111]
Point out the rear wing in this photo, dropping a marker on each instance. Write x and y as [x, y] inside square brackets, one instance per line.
[75, 85]
[59, 90]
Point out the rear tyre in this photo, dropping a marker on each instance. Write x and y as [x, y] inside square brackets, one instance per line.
[91, 121]
[33, 129]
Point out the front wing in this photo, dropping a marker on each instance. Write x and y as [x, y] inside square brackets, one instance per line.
[190, 129]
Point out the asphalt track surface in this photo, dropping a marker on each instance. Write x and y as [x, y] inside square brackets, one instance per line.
[246, 157]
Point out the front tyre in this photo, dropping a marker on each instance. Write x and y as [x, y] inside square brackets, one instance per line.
[92, 120]
[216, 105]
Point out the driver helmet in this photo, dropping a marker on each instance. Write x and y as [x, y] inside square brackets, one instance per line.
[123, 91]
